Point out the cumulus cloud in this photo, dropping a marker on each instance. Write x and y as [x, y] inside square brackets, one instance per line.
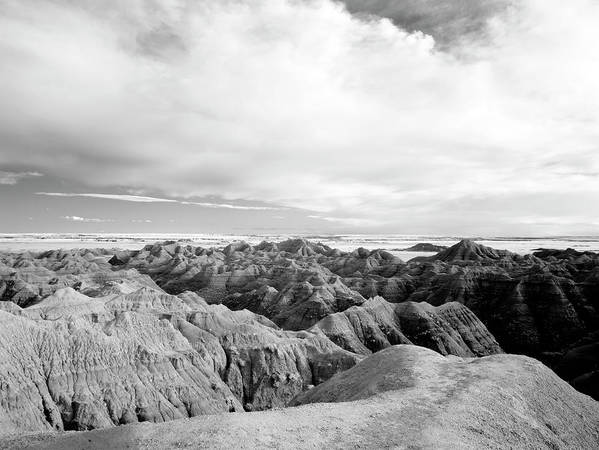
[12, 178]
[448, 21]
[303, 104]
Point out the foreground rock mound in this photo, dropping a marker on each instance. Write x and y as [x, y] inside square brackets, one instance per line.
[401, 397]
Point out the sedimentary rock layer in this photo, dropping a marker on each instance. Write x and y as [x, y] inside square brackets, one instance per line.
[401, 397]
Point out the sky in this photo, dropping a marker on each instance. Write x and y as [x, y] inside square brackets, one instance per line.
[458, 117]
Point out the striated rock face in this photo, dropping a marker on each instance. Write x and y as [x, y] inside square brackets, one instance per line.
[529, 314]
[298, 304]
[295, 283]
[268, 369]
[402, 397]
[541, 305]
[77, 362]
[449, 329]
[27, 278]
[222, 313]
[94, 339]
[75, 375]
[262, 365]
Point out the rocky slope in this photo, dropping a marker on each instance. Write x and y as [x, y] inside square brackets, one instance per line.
[543, 305]
[73, 361]
[468, 250]
[448, 329]
[76, 362]
[401, 397]
[540, 305]
[91, 339]
[58, 375]
[288, 282]
[26, 278]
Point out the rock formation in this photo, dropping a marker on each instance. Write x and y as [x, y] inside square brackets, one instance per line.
[425, 247]
[401, 397]
[77, 375]
[295, 283]
[467, 250]
[97, 338]
[541, 305]
[448, 329]
[76, 362]
[26, 278]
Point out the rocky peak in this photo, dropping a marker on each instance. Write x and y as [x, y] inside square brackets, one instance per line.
[468, 250]
[303, 247]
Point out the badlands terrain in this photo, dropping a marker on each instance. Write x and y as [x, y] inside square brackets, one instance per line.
[297, 344]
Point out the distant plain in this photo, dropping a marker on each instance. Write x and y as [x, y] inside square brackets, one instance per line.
[395, 243]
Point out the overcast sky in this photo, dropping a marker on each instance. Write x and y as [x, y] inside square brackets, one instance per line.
[455, 117]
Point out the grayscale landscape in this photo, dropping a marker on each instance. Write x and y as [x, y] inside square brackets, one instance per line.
[386, 353]
[299, 224]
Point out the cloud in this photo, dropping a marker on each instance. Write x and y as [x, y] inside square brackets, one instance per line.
[125, 198]
[449, 22]
[144, 199]
[12, 178]
[86, 219]
[229, 206]
[351, 221]
[305, 105]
